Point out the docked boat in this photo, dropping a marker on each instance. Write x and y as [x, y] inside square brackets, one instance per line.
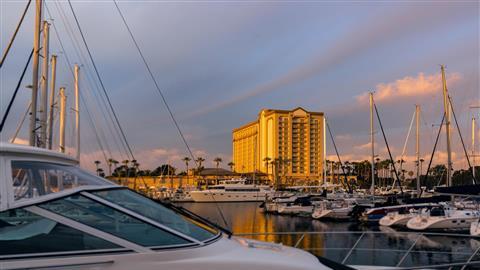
[271, 205]
[475, 228]
[300, 206]
[234, 190]
[337, 209]
[400, 217]
[54, 215]
[443, 217]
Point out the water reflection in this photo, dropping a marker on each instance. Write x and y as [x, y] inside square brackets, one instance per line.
[373, 245]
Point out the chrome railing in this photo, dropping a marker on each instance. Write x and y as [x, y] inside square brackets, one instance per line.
[397, 249]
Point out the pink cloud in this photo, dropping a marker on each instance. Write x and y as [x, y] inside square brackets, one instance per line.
[419, 86]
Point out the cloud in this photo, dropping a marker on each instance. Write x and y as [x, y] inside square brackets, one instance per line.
[363, 146]
[419, 86]
[343, 137]
[363, 37]
[21, 141]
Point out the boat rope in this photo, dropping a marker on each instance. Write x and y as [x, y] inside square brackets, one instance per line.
[115, 135]
[408, 135]
[339, 160]
[9, 107]
[461, 140]
[388, 149]
[433, 152]
[20, 124]
[117, 121]
[147, 66]
[12, 39]
[82, 98]
[406, 142]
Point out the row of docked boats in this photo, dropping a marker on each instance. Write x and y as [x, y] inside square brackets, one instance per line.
[449, 215]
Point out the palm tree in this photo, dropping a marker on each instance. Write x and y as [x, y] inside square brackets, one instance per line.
[186, 160]
[199, 161]
[115, 164]
[110, 163]
[217, 161]
[100, 172]
[125, 163]
[97, 164]
[231, 164]
[267, 161]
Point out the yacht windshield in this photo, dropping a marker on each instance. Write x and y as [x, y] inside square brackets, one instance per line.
[34, 178]
[22, 232]
[109, 220]
[155, 211]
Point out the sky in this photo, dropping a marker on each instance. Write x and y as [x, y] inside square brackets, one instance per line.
[219, 63]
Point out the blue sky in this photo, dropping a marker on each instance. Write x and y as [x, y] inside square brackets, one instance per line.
[220, 62]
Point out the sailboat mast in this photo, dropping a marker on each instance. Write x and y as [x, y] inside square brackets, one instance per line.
[417, 145]
[77, 110]
[324, 164]
[52, 101]
[473, 146]
[63, 114]
[36, 48]
[44, 86]
[372, 142]
[446, 105]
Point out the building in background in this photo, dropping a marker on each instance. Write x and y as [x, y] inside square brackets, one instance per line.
[287, 145]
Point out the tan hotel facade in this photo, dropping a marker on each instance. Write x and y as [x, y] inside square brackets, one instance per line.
[295, 139]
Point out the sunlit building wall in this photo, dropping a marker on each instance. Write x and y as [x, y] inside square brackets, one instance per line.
[292, 139]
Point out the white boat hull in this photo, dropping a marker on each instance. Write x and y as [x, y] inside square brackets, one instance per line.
[228, 196]
[340, 213]
[295, 210]
[420, 223]
[395, 219]
[475, 228]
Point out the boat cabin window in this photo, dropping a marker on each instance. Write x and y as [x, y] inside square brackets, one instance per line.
[22, 232]
[109, 220]
[437, 212]
[155, 211]
[34, 178]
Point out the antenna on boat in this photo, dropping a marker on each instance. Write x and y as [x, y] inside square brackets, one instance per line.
[44, 86]
[447, 109]
[36, 45]
[372, 142]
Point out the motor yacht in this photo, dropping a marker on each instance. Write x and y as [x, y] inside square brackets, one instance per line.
[443, 217]
[54, 215]
[234, 190]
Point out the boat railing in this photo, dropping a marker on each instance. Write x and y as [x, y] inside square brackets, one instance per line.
[398, 249]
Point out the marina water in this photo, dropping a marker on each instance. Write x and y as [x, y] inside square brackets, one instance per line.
[374, 245]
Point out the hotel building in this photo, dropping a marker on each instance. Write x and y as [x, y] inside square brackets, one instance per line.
[288, 144]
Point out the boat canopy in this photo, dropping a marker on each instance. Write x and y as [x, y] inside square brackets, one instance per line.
[32, 175]
[49, 205]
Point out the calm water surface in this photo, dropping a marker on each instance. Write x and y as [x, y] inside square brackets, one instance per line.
[374, 245]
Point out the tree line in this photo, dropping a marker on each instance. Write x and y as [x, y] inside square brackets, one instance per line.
[131, 168]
